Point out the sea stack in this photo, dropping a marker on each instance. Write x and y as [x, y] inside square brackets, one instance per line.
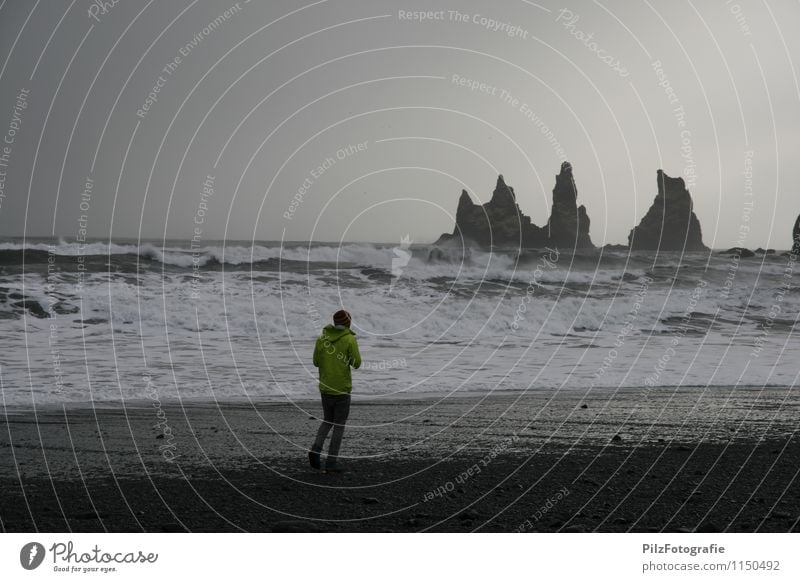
[498, 223]
[796, 237]
[568, 226]
[501, 223]
[670, 224]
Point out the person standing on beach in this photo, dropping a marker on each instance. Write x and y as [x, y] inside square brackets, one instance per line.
[335, 352]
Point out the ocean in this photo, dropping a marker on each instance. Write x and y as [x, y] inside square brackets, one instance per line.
[133, 320]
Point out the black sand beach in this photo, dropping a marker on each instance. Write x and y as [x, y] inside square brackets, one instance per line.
[690, 459]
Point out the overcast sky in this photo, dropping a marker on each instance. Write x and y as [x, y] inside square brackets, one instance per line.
[268, 102]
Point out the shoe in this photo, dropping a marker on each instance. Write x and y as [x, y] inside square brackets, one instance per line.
[314, 459]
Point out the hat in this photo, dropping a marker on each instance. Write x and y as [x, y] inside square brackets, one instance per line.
[341, 317]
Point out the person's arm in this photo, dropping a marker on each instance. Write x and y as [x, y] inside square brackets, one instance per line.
[355, 355]
[317, 352]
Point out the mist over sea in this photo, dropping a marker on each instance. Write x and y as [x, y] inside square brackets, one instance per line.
[237, 320]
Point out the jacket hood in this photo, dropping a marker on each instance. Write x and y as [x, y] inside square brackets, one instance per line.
[333, 334]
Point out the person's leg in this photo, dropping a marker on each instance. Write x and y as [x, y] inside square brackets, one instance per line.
[322, 432]
[340, 413]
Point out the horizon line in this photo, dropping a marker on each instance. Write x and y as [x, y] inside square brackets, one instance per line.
[332, 243]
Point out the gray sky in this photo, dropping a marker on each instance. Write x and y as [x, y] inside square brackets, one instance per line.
[266, 95]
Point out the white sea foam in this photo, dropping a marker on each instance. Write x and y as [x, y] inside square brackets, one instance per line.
[249, 334]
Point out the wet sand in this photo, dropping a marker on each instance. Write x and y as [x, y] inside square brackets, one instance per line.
[691, 459]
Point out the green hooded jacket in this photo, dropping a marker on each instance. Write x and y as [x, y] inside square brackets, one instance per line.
[335, 351]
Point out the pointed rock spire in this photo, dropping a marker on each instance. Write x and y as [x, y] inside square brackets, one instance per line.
[501, 223]
[670, 224]
[465, 207]
[568, 225]
[503, 195]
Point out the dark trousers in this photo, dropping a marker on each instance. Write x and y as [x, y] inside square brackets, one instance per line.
[335, 410]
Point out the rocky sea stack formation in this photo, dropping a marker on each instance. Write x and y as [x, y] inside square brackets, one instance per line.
[569, 224]
[796, 237]
[670, 224]
[501, 223]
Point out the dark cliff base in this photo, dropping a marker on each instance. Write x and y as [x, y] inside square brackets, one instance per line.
[532, 483]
